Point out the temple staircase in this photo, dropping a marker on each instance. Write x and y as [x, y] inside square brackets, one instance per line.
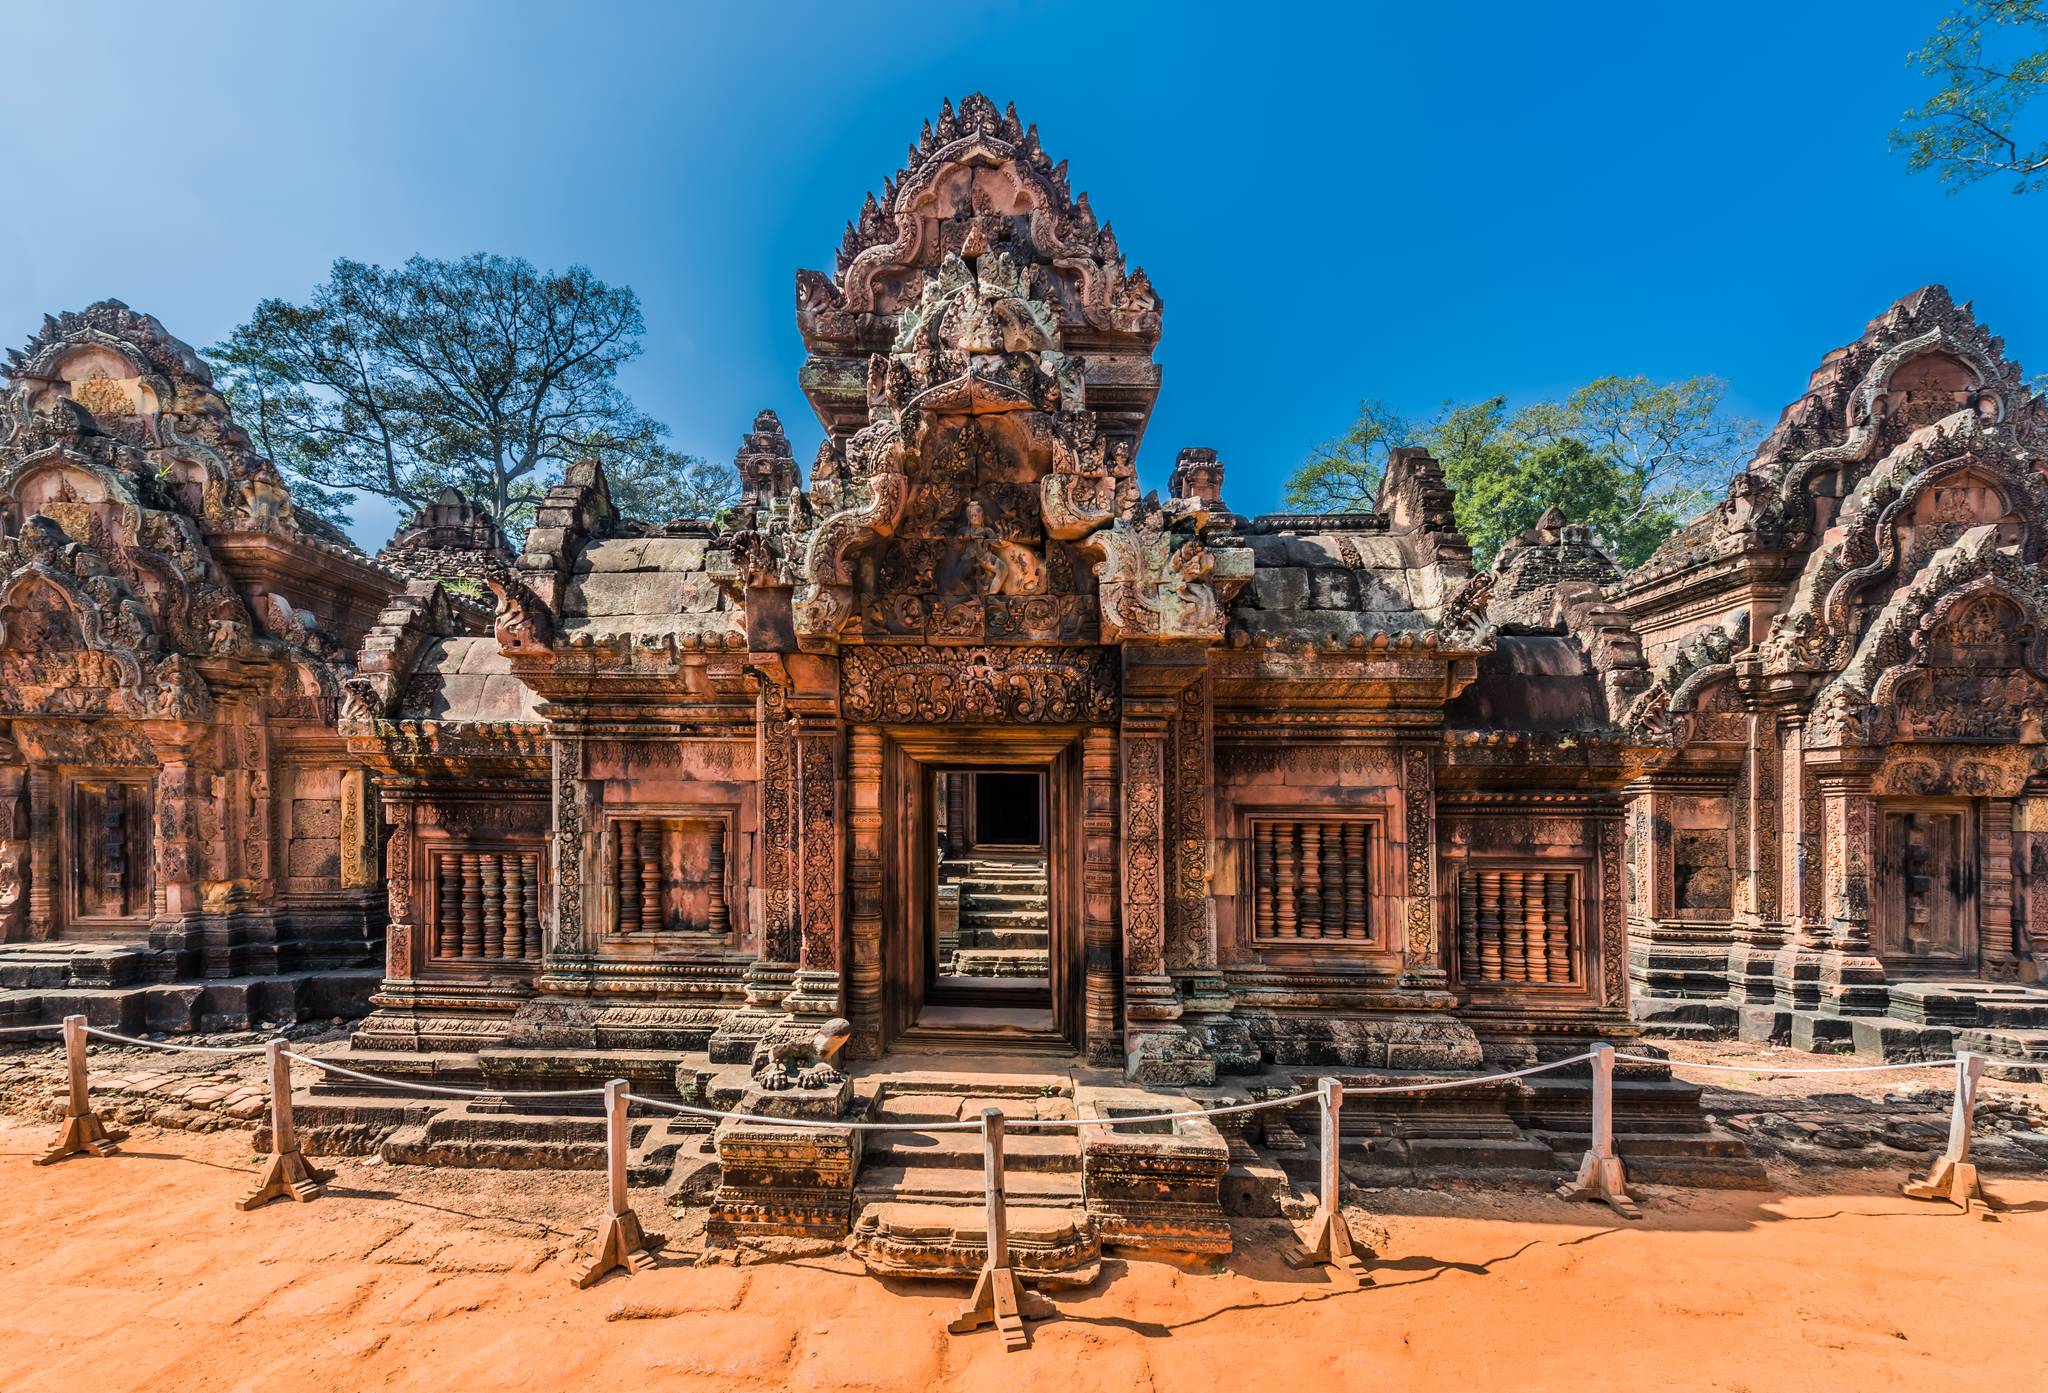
[920, 1196]
[1005, 925]
[136, 989]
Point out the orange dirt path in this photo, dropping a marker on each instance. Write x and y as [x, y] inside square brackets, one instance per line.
[137, 1272]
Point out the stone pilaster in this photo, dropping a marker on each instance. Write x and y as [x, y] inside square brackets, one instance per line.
[816, 747]
[1851, 978]
[1101, 1005]
[1158, 1048]
[864, 886]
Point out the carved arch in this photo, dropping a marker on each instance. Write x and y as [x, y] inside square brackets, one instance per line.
[2019, 488]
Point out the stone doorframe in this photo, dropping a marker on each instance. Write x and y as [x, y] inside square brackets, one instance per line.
[887, 885]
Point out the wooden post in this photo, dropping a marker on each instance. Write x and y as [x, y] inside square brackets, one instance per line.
[998, 1300]
[620, 1243]
[83, 1130]
[286, 1171]
[1954, 1177]
[1329, 1242]
[1600, 1175]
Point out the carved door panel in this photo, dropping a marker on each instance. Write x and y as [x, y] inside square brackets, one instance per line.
[1927, 887]
[108, 854]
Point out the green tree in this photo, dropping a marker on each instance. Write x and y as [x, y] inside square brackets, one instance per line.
[1343, 475]
[483, 373]
[1628, 457]
[1990, 62]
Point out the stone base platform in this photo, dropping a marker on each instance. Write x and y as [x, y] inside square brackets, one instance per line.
[135, 990]
[1050, 1247]
[1921, 1020]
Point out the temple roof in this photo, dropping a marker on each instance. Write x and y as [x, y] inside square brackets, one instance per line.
[465, 679]
[1533, 684]
[645, 588]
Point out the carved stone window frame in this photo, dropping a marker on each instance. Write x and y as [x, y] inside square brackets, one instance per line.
[725, 815]
[1382, 879]
[1586, 921]
[435, 845]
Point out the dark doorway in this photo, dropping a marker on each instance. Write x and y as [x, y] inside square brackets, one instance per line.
[1009, 809]
[990, 936]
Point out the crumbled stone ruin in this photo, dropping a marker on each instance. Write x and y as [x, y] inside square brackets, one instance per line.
[960, 770]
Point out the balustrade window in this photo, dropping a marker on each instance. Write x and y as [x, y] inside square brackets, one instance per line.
[668, 875]
[1517, 926]
[1311, 879]
[486, 905]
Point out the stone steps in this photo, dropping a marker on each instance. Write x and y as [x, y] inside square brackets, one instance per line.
[209, 1005]
[56, 966]
[979, 918]
[906, 1238]
[1036, 938]
[463, 1137]
[1002, 962]
[1023, 1151]
[920, 1195]
[986, 897]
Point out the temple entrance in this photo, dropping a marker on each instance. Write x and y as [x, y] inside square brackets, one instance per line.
[1927, 877]
[991, 925]
[981, 949]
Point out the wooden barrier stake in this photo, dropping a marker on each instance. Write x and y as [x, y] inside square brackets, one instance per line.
[620, 1242]
[286, 1172]
[83, 1130]
[1329, 1242]
[1955, 1176]
[998, 1298]
[1600, 1176]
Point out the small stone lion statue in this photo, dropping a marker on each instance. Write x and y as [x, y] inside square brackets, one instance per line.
[794, 1059]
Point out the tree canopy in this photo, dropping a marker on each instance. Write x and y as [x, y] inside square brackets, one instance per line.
[1990, 59]
[1629, 457]
[483, 373]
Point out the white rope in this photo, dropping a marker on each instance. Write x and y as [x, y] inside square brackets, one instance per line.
[1013, 1123]
[1948, 1063]
[331, 1067]
[167, 1045]
[25, 1029]
[1351, 1091]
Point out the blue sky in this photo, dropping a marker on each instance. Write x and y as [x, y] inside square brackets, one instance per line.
[1409, 201]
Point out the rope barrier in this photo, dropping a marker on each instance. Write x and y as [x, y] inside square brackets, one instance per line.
[167, 1045]
[444, 1091]
[1948, 1063]
[999, 1299]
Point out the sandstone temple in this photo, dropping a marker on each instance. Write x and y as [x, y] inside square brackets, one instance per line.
[962, 746]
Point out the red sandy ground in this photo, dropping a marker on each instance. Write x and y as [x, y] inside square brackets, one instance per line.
[137, 1272]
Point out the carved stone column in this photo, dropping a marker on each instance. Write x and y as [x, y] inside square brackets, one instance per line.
[1997, 923]
[1795, 969]
[178, 855]
[1158, 1049]
[819, 992]
[1851, 978]
[772, 974]
[14, 852]
[568, 933]
[864, 886]
[42, 835]
[1101, 1004]
[1191, 908]
[1758, 928]
[401, 933]
[1423, 967]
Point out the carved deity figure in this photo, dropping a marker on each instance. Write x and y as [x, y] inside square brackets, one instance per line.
[991, 564]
